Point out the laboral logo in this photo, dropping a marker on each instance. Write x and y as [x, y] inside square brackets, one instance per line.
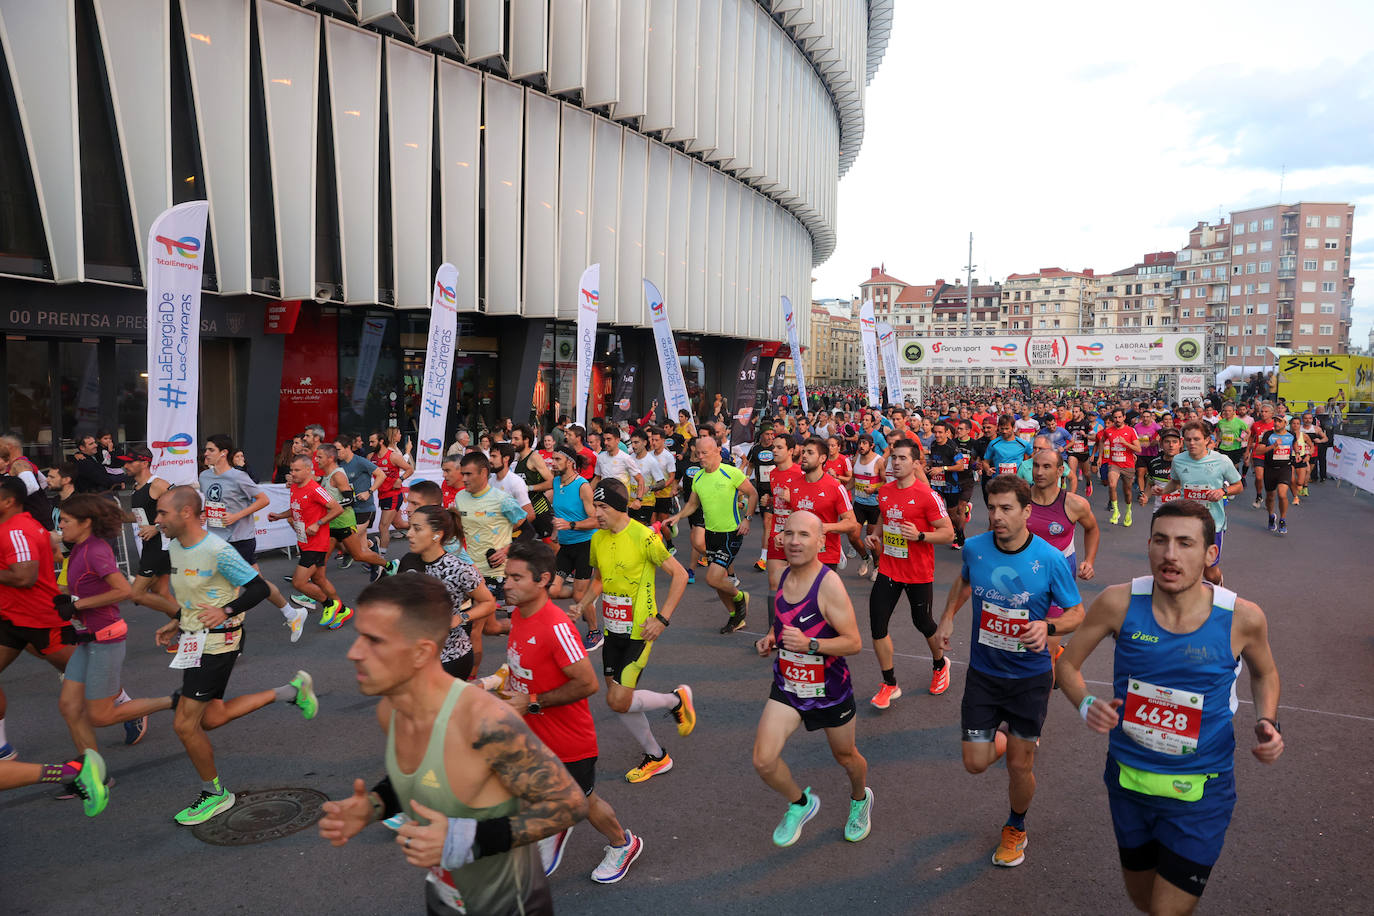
[179, 444]
[1187, 349]
[188, 246]
[913, 352]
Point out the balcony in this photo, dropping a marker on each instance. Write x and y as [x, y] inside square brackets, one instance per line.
[1289, 230]
[1283, 340]
[1285, 294]
[1288, 273]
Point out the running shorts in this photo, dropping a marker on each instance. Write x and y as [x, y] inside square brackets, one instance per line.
[154, 560]
[834, 716]
[1166, 833]
[1278, 474]
[211, 679]
[583, 773]
[883, 598]
[97, 665]
[341, 534]
[311, 558]
[45, 640]
[247, 548]
[623, 659]
[989, 701]
[865, 514]
[574, 561]
[722, 547]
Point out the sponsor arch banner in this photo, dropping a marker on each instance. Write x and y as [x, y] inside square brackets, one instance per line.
[1072, 351]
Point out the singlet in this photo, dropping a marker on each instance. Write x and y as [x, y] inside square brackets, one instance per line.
[940, 457]
[209, 572]
[761, 462]
[346, 519]
[717, 491]
[1052, 523]
[1258, 430]
[492, 884]
[567, 504]
[391, 479]
[1080, 432]
[1195, 477]
[808, 681]
[1159, 468]
[538, 501]
[145, 513]
[1179, 689]
[627, 560]
[866, 475]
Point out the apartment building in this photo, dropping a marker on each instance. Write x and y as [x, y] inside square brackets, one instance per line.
[1202, 282]
[834, 355]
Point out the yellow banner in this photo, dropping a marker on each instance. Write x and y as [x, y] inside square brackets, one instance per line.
[1304, 378]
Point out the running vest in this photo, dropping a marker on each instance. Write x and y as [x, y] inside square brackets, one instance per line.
[538, 501]
[567, 504]
[1179, 689]
[810, 681]
[1052, 523]
[347, 519]
[866, 474]
[491, 884]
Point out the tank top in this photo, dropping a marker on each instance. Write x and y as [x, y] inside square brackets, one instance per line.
[567, 504]
[866, 474]
[491, 884]
[145, 513]
[1179, 689]
[1052, 523]
[392, 473]
[538, 501]
[809, 681]
[347, 519]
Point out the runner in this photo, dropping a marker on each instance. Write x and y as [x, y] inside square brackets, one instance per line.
[1147, 437]
[14, 463]
[1304, 452]
[1207, 477]
[946, 468]
[1276, 448]
[1260, 428]
[432, 530]
[1054, 513]
[868, 478]
[534, 471]
[489, 519]
[1080, 430]
[820, 493]
[153, 562]
[214, 589]
[1170, 769]
[759, 466]
[625, 554]
[1232, 434]
[489, 790]
[503, 476]
[812, 630]
[550, 680]
[663, 497]
[395, 468]
[311, 511]
[452, 470]
[716, 490]
[364, 477]
[1118, 444]
[653, 478]
[913, 521]
[1003, 454]
[344, 530]
[1013, 577]
[614, 464]
[86, 773]
[784, 481]
[1160, 466]
[696, 531]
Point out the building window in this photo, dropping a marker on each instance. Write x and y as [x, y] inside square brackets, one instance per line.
[1264, 288]
[1186, 313]
[1309, 264]
[1240, 230]
[1325, 330]
[1230, 351]
[1269, 224]
[1309, 286]
[1262, 308]
[1328, 286]
[1249, 289]
[1267, 245]
[1328, 308]
[1310, 242]
[1308, 308]
[1254, 226]
[1266, 266]
[1235, 310]
[1314, 222]
[1235, 290]
[1233, 330]
[1333, 222]
[1247, 351]
[1329, 265]
[1331, 244]
[1304, 329]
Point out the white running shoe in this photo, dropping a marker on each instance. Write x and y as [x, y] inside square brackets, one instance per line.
[297, 623]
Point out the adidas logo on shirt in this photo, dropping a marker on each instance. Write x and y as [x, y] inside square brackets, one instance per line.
[430, 781]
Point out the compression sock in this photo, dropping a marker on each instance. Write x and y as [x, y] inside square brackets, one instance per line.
[60, 772]
[1017, 819]
[285, 693]
[648, 701]
[890, 677]
[739, 596]
[638, 725]
[938, 664]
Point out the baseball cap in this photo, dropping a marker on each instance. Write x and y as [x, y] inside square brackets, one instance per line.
[137, 453]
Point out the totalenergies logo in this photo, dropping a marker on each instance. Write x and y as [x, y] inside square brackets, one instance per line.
[1093, 349]
[446, 293]
[179, 444]
[867, 323]
[1008, 350]
[431, 447]
[187, 246]
[1368, 456]
[591, 299]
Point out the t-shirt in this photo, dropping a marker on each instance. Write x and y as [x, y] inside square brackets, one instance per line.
[1114, 441]
[904, 560]
[1006, 454]
[448, 494]
[488, 520]
[225, 494]
[1009, 591]
[515, 485]
[838, 467]
[626, 561]
[460, 578]
[784, 482]
[308, 505]
[761, 463]
[1026, 428]
[210, 572]
[587, 468]
[829, 499]
[359, 471]
[1146, 428]
[23, 540]
[939, 458]
[1080, 434]
[1214, 471]
[653, 477]
[717, 491]
[1231, 434]
[622, 467]
[539, 647]
[87, 566]
[667, 463]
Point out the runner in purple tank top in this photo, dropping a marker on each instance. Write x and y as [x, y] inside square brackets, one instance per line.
[1054, 513]
[813, 629]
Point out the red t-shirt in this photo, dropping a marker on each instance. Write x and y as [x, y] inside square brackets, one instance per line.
[391, 479]
[449, 494]
[538, 648]
[783, 487]
[906, 560]
[837, 467]
[828, 499]
[23, 540]
[308, 505]
[1258, 430]
[1114, 442]
[588, 469]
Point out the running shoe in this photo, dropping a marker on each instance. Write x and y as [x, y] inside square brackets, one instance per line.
[297, 623]
[685, 713]
[593, 640]
[135, 729]
[761, 565]
[69, 790]
[1273, 521]
[618, 859]
[860, 814]
[956, 546]
[1116, 514]
[306, 699]
[734, 581]
[496, 680]
[551, 850]
[328, 610]
[650, 767]
[789, 828]
[341, 616]
[1297, 500]
[732, 623]
[374, 543]
[205, 807]
[392, 568]
[7, 751]
[1012, 850]
[304, 601]
[863, 569]
[375, 572]
[1126, 519]
[691, 578]
[289, 577]
[701, 561]
[851, 552]
[873, 576]
[885, 695]
[844, 560]
[939, 680]
[1283, 526]
[91, 783]
[345, 561]
[1257, 503]
[396, 821]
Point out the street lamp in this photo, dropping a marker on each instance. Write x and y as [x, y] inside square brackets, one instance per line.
[968, 297]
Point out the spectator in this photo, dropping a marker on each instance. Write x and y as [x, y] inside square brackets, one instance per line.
[91, 476]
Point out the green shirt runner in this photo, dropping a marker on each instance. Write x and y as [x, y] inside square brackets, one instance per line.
[717, 492]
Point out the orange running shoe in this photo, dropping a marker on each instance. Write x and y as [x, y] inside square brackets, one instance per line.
[1012, 850]
[885, 695]
[939, 680]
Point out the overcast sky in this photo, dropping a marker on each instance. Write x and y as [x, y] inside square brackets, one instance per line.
[1084, 135]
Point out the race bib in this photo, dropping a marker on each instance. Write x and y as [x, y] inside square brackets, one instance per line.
[803, 674]
[1197, 493]
[618, 613]
[299, 528]
[1161, 719]
[937, 476]
[190, 648]
[141, 518]
[1281, 452]
[1228, 441]
[779, 522]
[1001, 627]
[1172, 497]
[215, 514]
[894, 542]
[1006, 467]
[445, 889]
[1118, 452]
[517, 670]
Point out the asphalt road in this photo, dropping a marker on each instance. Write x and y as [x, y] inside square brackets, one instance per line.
[1297, 842]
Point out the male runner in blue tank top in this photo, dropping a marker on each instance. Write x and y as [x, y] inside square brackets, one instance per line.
[1014, 578]
[813, 629]
[1171, 743]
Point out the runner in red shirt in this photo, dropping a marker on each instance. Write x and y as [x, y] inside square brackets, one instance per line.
[837, 465]
[1258, 430]
[395, 468]
[913, 519]
[27, 588]
[550, 680]
[312, 509]
[822, 494]
[453, 479]
[1117, 448]
[783, 484]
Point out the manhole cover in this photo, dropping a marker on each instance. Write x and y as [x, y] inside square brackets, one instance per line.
[261, 816]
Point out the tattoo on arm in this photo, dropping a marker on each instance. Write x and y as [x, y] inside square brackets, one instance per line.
[549, 799]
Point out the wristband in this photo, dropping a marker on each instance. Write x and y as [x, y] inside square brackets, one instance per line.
[391, 804]
[1083, 706]
[458, 843]
[661, 619]
[492, 837]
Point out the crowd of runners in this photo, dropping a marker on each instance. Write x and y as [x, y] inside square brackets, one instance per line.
[557, 546]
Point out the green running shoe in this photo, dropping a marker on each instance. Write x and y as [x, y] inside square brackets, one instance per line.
[789, 829]
[342, 615]
[205, 807]
[90, 783]
[859, 823]
[327, 612]
[305, 694]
